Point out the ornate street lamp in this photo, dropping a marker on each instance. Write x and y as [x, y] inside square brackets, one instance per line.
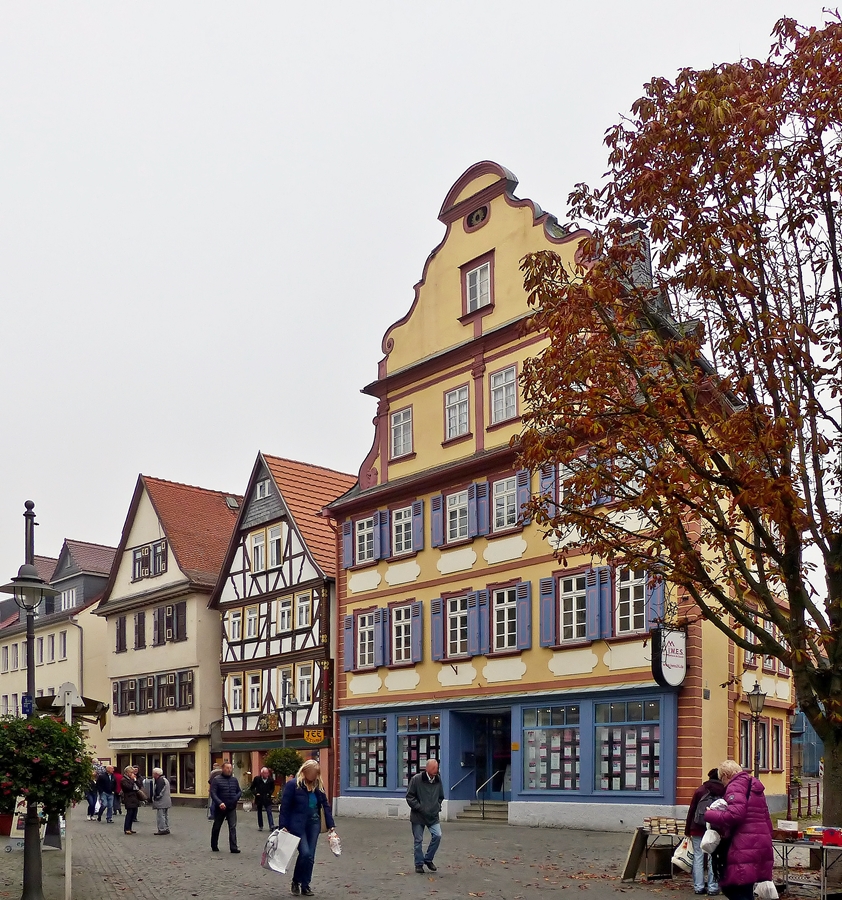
[756, 701]
[30, 591]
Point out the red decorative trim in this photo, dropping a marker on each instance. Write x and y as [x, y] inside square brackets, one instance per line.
[469, 229]
[498, 425]
[459, 437]
[451, 210]
[516, 416]
[392, 414]
[464, 270]
[457, 440]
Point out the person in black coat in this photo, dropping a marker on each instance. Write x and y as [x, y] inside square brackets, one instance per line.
[226, 793]
[131, 799]
[263, 787]
[106, 784]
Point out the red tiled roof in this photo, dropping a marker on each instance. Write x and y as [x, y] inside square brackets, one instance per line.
[45, 565]
[12, 620]
[96, 559]
[198, 524]
[306, 490]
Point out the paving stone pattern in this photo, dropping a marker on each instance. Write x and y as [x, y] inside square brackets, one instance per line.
[474, 860]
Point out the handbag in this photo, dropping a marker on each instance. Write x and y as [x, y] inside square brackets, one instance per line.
[278, 851]
[683, 856]
[142, 795]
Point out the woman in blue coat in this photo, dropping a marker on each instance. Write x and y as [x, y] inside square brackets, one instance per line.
[302, 801]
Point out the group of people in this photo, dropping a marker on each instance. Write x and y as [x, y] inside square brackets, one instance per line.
[115, 790]
[745, 856]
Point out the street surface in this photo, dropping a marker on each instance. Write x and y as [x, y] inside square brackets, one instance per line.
[474, 860]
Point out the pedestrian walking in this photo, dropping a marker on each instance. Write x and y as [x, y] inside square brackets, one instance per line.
[695, 828]
[161, 800]
[226, 793]
[91, 797]
[217, 770]
[746, 824]
[106, 784]
[132, 795]
[303, 802]
[425, 795]
[118, 777]
[263, 787]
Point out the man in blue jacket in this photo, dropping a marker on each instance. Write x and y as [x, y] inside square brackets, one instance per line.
[225, 793]
[424, 796]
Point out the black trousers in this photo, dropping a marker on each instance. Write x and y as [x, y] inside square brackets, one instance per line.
[739, 891]
[220, 816]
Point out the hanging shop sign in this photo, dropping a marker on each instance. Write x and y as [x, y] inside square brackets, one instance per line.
[669, 656]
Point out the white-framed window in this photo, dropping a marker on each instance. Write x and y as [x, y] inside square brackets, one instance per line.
[23, 654]
[302, 611]
[159, 558]
[478, 287]
[401, 431]
[763, 743]
[365, 539]
[39, 651]
[365, 640]
[402, 531]
[4, 659]
[456, 412]
[68, 599]
[457, 626]
[261, 489]
[505, 503]
[505, 619]
[285, 688]
[258, 552]
[14, 710]
[777, 746]
[504, 395]
[14, 663]
[745, 743]
[574, 609]
[251, 622]
[457, 516]
[235, 625]
[276, 553]
[255, 694]
[631, 600]
[285, 614]
[236, 693]
[401, 634]
[4, 705]
[62, 645]
[304, 676]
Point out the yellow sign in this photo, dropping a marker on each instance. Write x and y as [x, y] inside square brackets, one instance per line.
[314, 735]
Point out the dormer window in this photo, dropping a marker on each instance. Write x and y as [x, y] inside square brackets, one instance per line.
[149, 560]
[261, 491]
[478, 284]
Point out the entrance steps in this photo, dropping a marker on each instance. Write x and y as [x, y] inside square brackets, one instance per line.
[496, 811]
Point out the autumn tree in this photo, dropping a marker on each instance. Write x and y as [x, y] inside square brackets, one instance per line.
[701, 394]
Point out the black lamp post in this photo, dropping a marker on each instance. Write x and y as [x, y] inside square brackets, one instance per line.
[288, 704]
[29, 591]
[756, 701]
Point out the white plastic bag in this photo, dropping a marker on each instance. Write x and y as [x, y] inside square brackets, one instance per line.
[683, 856]
[710, 840]
[278, 851]
[766, 890]
[719, 803]
[335, 843]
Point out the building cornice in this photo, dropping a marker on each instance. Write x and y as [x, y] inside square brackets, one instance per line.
[116, 605]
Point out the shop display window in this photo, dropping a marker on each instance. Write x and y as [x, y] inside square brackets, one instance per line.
[551, 748]
[628, 746]
[419, 739]
[367, 753]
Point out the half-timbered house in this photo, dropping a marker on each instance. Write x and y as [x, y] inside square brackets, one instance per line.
[275, 595]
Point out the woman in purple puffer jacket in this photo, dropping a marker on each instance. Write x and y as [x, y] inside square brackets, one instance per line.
[748, 825]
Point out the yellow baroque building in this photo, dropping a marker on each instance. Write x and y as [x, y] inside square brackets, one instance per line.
[461, 634]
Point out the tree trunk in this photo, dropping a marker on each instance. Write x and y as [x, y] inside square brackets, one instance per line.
[832, 800]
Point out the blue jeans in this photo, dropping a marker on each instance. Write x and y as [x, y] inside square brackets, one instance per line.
[418, 836]
[307, 853]
[269, 818]
[699, 859]
[91, 798]
[106, 804]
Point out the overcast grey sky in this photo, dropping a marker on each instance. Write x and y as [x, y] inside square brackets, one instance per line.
[211, 212]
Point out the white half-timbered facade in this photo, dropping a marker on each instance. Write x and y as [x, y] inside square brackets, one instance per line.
[275, 596]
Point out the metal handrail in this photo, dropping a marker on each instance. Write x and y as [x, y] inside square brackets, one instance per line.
[499, 772]
[452, 787]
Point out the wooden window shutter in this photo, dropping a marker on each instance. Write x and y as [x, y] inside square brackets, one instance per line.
[169, 618]
[437, 628]
[348, 643]
[484, 622]
[548, 607]
[592, 606]
[381, 637]
[417, 636]
[654, 598]
[180, 631]
[523, 594]
[418, 525]
[348, 544]
[524, 494]
[376, 533]
[385, 535]
[472, 511]
[483, 521]
[437, 520]
[548, 487]
[473, 624]
[606, 605]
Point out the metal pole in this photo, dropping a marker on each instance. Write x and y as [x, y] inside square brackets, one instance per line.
[68, 834]
[756, 746]
[32, 871]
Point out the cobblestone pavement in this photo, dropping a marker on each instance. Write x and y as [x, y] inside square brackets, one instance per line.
[474, 860]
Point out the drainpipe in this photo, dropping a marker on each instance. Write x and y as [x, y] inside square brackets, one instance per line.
[73, 621]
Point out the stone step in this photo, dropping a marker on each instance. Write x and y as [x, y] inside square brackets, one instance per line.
[495, 811]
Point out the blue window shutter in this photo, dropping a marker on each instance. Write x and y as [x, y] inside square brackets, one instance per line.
[418, 525]
[524, 494]
[548, 487]
[483, 525]
[437, 520]
[606, 604]
[376, 520]
[348, 644]
[592, 606]
[523, 594]
[385, 534]
[548, 607]
[348, 544]
[417, 635]
[654, 599]
[472, 510]
[381, 637]
[484, 622]
[473, 624]
[437, 628]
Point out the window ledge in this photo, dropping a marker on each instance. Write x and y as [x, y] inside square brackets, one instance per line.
[403, 458]
[626, 637]
[503, 422]
[401, 557]
[476, 314]
[401, 665]
[577, 644]
[450, 545]
[504, 532]
[449, 442]
[498, 654]
[363, 565]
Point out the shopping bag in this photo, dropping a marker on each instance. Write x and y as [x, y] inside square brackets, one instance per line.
[710, 840]
[683, 856]
[278, 851]
[766, 890]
